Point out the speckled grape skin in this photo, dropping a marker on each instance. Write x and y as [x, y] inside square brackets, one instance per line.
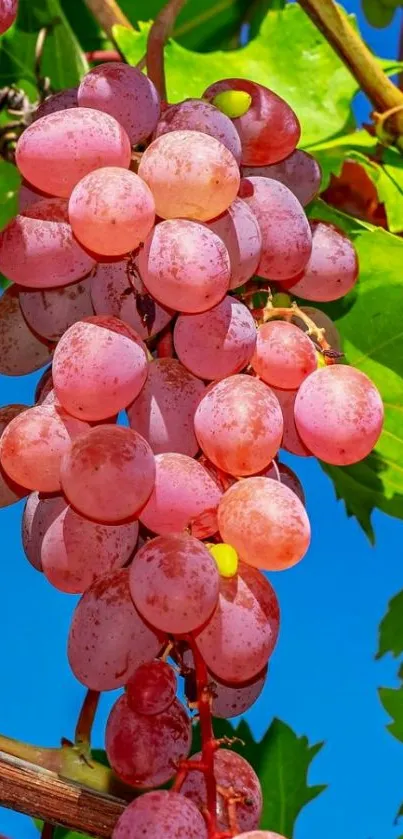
[300, 172]
[287, 477]
[185, 266]
[239, 425]
[27, 196]
[260, 834]
[108, 639]
[232, 700]
[199, 115]
[239, 230]
[39, 512]
[291, 441]
[164, 410]
[59, 149]
[269, 130]
[99, 367]
[190, 174]
[231, 771]
[145, 751]
[161, 814]
[51, 311]
[109, 473]
[242, 633]
[21, 351]
[152, 688]
[217, 343]
[286, 235]
[125, 93]
[10, 492]
[339, 414]
[111, 211]
[265, 522]
[8, 13]
[284, 355]
[184, 496]
[60, 101]
[332, 269]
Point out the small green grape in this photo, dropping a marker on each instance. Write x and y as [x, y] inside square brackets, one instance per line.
[232, 103]
[226, 558]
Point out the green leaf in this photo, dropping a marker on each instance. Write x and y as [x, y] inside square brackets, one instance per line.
[332, 154]
[391, 628]
[392, 701]
[62, 832]
[377, 13]
[10, 180]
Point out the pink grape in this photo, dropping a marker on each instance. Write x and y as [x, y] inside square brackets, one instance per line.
[21, 351]
[109, 473]
[108, 639]
[38, 250]
[286, 235]
[339, 414]
[28, 196]
[99, 367]
[161, 814]
[10, 492]
[151, 689]
[231, 772]
[59, 149]
[217, 343]
[40, 511]
[185, 266]
[174, 583]
[265, 522]
[8, 14]
[284, 355]
[269, 130]
[190, 174]
[184, 497]
[125, 93]
[259, 834]
[111, 211]
[300, 172]
[199, 115]
[242, 633]
[33, 444]
[60, 101]
[239, 425]
[51, 311]
[282, 472]
[239, 230]
[164, 410]
[232, 700]
[145, 751]
[292, 441]
[332, 269]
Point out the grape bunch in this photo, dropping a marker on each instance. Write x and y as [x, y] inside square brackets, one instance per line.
[151, 455]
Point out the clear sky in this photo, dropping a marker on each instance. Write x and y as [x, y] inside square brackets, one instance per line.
[323, 678]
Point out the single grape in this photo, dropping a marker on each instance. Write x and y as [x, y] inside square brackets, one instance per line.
[259, 834]
[199, 115]
[144, 751]
[332, 269]
[51, 311]
[40, 511]
[284, 356]
[151, 689]
[125, 93]
[164, 410]
[265, 522]
[300, 172]
[339, 414]
[323, 322]
[239, 230]
[59, 149]
[242, 633]
[190, 174]
[225, 557]
[109, 473]
[291, 441]
[108, 639]
[161, 814]
[185, 266]
[232, 700]
[184, 497]
[8, 14]
[60, 101]
[10, 492]
[217, 343]
[239, 425]
[282, 472]
[286, 235]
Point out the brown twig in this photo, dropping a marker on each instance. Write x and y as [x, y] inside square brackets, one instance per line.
[108, 14]
[48, 831]
[157, 38]
[86, 718]
[95, 56]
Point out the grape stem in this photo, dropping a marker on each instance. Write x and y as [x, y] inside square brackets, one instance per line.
[157, 38]
[48, 831]
[95, 56]
[86, 719]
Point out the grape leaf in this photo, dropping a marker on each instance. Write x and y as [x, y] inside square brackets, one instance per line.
[391, 628]
[10, 180]
[392, 701]
[377, 13]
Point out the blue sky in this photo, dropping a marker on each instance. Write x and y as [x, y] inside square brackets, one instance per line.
[323, 678]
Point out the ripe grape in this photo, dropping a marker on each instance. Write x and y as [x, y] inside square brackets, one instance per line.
[39, 512]
[332, 269]
[21, 351]
[279, 471]
[60, 101]
[184, 497]
[300, 172]
[233, 773]
[125, 93]
[265, 522]
[8, 14]
[174, 583]
[269, 130]
[239, 230]
[291, 441]
[323, 322]
[184, 265]
[239, 425]
[161, 814]
[259, 834]
[217, 343]
[284, 355]
[51, 311]
[190, 174]
[108, 639]
[109, 473]
[10, 492]
[56, 151]
[99, 367]
[286, 235]
[242, 633]
[232, 700]
[164, 410]
[199, 115]
[111, 211]
[145, 751]
[151, 689]
[339, 414]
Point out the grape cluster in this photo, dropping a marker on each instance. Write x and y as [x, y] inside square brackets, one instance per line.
[140, 229]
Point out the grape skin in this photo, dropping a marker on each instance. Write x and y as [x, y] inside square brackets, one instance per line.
[21, 351]
[51, 311]
[239, 230]
[259, 834]
[8, 13]
[287, 477]
[10, 492]
[284, 355]
[151, 689]
[332, 269]
[39, 512]
[291, 441]
[300, 172]
[199, 115]
[232, 700]
[161, 814]
[60, 101]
